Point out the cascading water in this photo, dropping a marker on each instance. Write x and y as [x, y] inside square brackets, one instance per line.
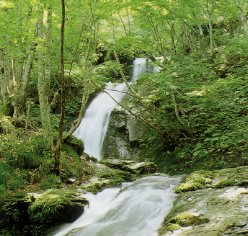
[94, 125]
[136, 209]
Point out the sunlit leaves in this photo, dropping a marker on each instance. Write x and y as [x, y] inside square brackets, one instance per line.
[6, 5]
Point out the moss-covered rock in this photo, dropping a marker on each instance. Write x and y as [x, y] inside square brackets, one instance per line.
[76, 144]
[56, 206]
[104, 177]
[213, 202]
[131, 166]
[214, 179]
[37, 213]
[187, 219]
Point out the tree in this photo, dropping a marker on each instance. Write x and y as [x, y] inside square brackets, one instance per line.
[62, 100]
[44, 73]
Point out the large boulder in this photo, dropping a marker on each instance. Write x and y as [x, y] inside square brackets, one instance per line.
[210, 203]
[39, 212]
[123, 136]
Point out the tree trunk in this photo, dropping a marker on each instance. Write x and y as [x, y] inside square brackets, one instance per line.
[3, 78]
[43, 84]
[62, 100]
[210, 10]
[19, 101]
[242, 17]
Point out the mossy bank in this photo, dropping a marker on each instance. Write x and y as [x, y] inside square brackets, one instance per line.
[210, 203]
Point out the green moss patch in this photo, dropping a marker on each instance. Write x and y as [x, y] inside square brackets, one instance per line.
[214, 179]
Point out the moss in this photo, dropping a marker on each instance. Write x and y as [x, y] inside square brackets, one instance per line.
[214, 179]
[194, 181]
[36, 214]
[76, 144]
[114, 175]
[104, 177]
[97, 185]
[187, 219]
[174, 221]
[225, 183]
[169, 227]
[55, 206]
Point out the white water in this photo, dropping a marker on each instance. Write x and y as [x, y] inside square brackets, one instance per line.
[94, 124]
[136, 209]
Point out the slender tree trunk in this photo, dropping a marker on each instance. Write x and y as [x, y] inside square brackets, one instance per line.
[243, 17]
[62, 102]
[48, 46]
[173, 36]
[211, 41]
[3, 78]
[43, 84]
[210, 10]
[129, 21]
[19, 102]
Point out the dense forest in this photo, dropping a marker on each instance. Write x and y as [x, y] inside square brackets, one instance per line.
[55, 56]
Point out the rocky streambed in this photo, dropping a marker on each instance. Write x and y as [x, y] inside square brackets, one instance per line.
[208, 203]
[37, 213]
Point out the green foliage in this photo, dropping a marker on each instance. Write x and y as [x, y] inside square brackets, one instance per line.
[108, 70]
[210, 133]
[50, 181]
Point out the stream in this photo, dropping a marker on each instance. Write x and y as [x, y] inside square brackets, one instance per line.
[134, 209]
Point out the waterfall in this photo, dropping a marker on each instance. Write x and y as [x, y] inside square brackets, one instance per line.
[94, 124]
[136, 209]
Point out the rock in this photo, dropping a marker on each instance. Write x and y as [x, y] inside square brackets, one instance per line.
[135, 128]
[76, 144]
[40, 211]
[187, 219]
[210, 202]
[116, 143]
[214, 179]
[86, 157]
[131, 166]
[143, 167]
[96, 184]
[70, 181]
[123, 136]
[57, 206]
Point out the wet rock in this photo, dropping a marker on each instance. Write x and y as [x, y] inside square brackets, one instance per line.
[70, 181]
[40, 211]
[214, 179]
[96, 184]
[143, 167]
[86, 157]
[123, 136]
[210, 203]
[131, 166]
